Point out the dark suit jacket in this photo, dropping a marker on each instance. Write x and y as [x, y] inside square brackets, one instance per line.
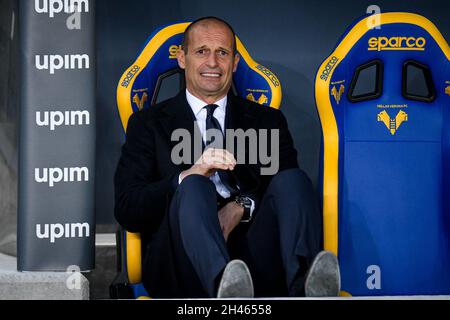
[146, 178]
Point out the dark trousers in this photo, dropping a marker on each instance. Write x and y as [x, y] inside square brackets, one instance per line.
[189, 252]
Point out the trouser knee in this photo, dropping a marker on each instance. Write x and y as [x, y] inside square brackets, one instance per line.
[196, 196]
[290, 181]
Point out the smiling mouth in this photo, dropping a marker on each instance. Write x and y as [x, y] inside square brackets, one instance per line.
[210, 74]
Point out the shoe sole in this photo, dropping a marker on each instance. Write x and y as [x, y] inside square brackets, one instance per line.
[236, 281]
[323, 279]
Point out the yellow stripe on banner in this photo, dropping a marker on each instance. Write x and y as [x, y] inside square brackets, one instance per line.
[273, 81]
[134, 257]
[328, 120]
[124, 94]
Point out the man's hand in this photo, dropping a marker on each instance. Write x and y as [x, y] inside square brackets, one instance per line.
[229, 217]
[211, 161]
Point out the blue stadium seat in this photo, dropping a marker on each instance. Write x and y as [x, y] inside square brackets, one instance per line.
[383, 96]
[140, 87]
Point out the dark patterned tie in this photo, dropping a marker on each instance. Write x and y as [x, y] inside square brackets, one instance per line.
[212, 123]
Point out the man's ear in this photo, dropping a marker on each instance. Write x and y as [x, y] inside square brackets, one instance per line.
[181, 58]
[236, 61]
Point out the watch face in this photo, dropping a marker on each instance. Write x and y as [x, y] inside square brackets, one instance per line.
[244, 201]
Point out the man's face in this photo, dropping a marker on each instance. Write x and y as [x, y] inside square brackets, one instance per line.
[210, 62]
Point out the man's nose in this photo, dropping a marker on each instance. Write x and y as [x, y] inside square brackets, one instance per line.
[212, 60]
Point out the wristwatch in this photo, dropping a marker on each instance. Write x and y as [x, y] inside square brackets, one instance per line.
[245, 203]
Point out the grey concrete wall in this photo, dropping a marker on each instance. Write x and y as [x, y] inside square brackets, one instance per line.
[16, 285]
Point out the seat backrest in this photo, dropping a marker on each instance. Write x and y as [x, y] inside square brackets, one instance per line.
[142, 84]
[383, 98]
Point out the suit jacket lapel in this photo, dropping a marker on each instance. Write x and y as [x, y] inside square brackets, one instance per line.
[238, 117]
[178, 115]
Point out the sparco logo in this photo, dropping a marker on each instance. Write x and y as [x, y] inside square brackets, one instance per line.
[57, 6]
[55, 119]
[269, 74]
[58, 231]
[328, 68]
[130, 75]
[58, 62]
[396, 43]
[56, 175]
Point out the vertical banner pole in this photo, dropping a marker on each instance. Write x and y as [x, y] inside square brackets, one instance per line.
[56, 222]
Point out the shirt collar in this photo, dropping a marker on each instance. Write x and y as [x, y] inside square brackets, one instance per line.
[197, 105]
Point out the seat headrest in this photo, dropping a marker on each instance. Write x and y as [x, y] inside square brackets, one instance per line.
[391, 43]
[139, 85]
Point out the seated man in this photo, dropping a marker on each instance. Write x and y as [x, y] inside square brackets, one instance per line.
[216, 227]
